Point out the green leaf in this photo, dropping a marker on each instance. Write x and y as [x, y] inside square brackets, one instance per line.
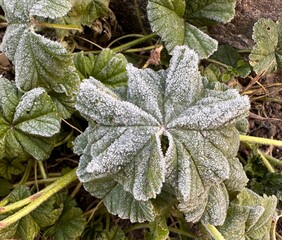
[10, 167]
[31, 126]
[122, 154]
[115, 233]
[85, 12]
[158, 230]
[164, 16]
[5, 187]
[210, 10]
[39, 62]
[108, 67]
[267, 53]
[70, 223]
[249, 217]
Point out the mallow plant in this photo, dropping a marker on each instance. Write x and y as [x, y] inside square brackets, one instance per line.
[159, 144]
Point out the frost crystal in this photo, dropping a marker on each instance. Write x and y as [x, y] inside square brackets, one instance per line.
[123, 144]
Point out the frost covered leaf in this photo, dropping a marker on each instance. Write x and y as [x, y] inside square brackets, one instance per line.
[167, 20]
[39, 62]
[50, 8]
[210, 10]
[267, 53]
[122, 147]
[249, 217]
[28, 122]
[108, 67]
[70, 223]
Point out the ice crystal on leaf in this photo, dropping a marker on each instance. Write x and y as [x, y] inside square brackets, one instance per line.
[122, 147]
[39, 61]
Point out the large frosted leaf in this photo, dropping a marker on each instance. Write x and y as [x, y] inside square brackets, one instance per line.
[39, 62]
[267, 53]
[249, 217]
[28, 122]
[167, 19]
[212, 10]
[168, 129]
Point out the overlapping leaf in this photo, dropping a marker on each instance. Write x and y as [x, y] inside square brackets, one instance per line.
[122, 148]
[107, 67]
[39, 62]
[167, 18]
[249, 217]
[267, 53]
[28, 122]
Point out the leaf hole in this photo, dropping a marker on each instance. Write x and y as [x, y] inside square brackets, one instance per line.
[268, 28]
[164, 144]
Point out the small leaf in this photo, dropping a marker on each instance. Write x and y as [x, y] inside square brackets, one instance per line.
[164, 16]
[85, 12]
[107, 67]
[70, 223]
[10, 167]
[115, 233]
[158, 230]
[267, 53]
[249, 216]
[33, 124]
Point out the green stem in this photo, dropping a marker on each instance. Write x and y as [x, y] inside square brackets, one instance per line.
[244, 51]
[266, 162]
[41, 181]
[42, 169]
[184, 233]
[275, 161]
[214, 232]
[58, 26]
[265, 141]
[4, 202]
[217, 62]
[43, 196]
[125, 36]
[27, 172]
[133, 43]
[139, 18]
[137, 226]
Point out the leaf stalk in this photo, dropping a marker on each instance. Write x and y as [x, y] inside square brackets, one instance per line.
[260, 140]
[214, 232]
[41, 197]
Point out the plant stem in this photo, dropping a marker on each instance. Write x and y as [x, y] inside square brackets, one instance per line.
[133, 43]
[4, 202]
[125, 36]
[184, 233]
[214, 232]
[260, 140]
[41, 181]
[137, 226]
[275, 161]
[27, 172]
[58, 26]
[42, 170]
[217, 62]
[43, 196]
[266, 162]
